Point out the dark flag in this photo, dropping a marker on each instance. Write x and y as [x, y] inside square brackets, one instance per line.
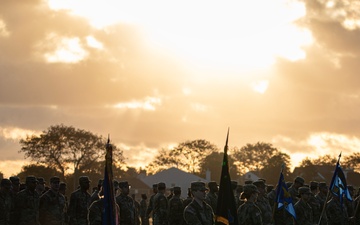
[226, 212]
[283, 197]
[110, 211]
[338, 185]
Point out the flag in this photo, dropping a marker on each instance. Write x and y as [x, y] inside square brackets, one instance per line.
[226, 212]
[283, 197]
[338, 184]
[110, 211]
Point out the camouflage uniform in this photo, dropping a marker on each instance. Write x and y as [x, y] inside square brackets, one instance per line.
[265, 208]
[304, 215]
[5, 202]
[27, 204]
[161, 207]
[316, 208]
[321, 197]
[52, 208]
[150, 208]
[176, 210]
[196, 214]
[249, 214]
[96, 211]
[126, 205]
[211, 199]
[79, 204]
[337, 215]
[137, 211]
[142, 212]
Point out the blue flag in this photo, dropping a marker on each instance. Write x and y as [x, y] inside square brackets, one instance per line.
[283, 197]
[226, 212]
[338, 184]
[109, 216]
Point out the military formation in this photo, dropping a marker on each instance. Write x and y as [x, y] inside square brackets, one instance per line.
[36, 203]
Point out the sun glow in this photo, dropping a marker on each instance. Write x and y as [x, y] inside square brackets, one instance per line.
[230, 34]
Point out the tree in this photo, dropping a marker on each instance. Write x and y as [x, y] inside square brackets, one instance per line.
[261, 158]
[352, 161]
[213, 163]
[65, 149]
[186, 156]
[325, 160]
[37, 170]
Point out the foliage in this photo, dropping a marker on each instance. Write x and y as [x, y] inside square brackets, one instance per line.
[213, 163]
[38, 170]
[352, 161]
[325, 160]
[261, 158]
[66, 148]
[186, 156]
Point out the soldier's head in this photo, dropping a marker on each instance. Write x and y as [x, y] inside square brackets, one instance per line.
[198, 190]
[234, 185]
[269, 188]
[6, 185]
[124, 187]
[55, 183]
[298, 182]
[84, 183]
[177, 191]
[143, 196]
[100, 183]
[62, 188]
[15, 181]
[250, 192]
[323, 188]
[260, 186]
[161, 187]
[304, 193]
[31, 183]
[314, 187]
[213, 186]
[116, 186]
[41, 184]
[155, 190]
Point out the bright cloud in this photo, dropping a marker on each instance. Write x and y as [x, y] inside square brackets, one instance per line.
[15, 133]
[149, 103]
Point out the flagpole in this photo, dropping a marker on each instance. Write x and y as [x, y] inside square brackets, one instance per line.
[328, 193]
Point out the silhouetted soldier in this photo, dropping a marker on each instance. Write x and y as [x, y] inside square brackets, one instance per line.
[79, 203]
[126, 205]
[95, 194]
[212, 195]
[171, 194]
[249, 213]
[304, 214]
[143, 208]
[15, 181]
[198, 211]
[5, 201]
[150, 208]
[321, 197]
[263, 203]
[137, 210]
[161, 207]
[336, 213]
[293, 189]
[314, 202]
[188, 199]
[40, 187]
[27, 203]
[176, 208]
[52, 205]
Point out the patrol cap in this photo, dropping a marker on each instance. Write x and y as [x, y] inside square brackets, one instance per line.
[248, 182]
[100, 182]
[299, 180]
[250, 188]
[15, 180]
[84, 179]
[177, 188]
[198, 186]
[314, 184]
[54, 179]
[154, 185]
[31, 179]
[259, 183]
[304, 190]
[212, 184]
[123, 184]
[161, 185]
[5, 182]
[41, 180]
[62, 185]
[323, 185]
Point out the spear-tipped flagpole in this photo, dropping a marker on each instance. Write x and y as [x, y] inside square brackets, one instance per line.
[227, 140]
[328, 193]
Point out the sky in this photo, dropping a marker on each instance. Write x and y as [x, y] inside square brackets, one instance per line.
[155, 73]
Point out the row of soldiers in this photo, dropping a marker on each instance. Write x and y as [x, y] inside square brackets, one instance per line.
[35, 204]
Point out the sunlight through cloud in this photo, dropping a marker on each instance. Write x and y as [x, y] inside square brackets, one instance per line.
[15, 133]
[3, 30]
[260, 86]
[149, 103]
[92, 42]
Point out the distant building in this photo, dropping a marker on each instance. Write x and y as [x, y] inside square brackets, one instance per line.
[251, 175]
[173, 177]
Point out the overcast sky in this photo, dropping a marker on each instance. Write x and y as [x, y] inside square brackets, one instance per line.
[153, 73]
